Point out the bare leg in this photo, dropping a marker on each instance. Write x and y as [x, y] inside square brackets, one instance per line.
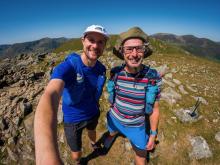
[76, 155]
[113, 133]
[140, 156]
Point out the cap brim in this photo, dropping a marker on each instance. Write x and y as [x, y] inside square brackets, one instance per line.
[85, 33]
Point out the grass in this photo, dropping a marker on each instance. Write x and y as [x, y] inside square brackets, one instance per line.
[206, 73]
[175, 131]
[73, 44]
[175, 146]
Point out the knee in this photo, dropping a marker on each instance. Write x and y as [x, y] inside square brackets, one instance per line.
[113, 133]
[76, 155]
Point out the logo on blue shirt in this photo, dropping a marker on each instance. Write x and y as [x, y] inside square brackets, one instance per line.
[79, 78]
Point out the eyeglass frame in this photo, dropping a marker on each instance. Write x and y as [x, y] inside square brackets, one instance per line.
[144, 47]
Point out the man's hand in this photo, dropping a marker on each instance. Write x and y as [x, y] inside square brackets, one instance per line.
[151, 143]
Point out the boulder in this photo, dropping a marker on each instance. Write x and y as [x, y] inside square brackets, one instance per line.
[217, 136]
[186, 116]
[170, 95]
[200, 148]
[182, 90]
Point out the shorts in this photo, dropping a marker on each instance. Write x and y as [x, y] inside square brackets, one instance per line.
[73, 132]
[136, 135]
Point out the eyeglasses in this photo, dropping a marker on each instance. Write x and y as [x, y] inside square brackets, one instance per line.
[129, 49]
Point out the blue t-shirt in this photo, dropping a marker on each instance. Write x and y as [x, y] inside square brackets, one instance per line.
[82, 90]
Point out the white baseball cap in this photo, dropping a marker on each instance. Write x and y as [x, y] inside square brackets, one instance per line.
[98, 29]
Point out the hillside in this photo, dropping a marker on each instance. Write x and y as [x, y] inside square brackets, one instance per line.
[198, 46]
[76, 44]
[181, 138]
[43, 45]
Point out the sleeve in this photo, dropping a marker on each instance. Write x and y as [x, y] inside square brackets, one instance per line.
[63, 71]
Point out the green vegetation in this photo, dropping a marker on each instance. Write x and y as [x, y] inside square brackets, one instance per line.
[165, 48]
[159, 46]
[174, 146]
[73, 44]
[76, 44]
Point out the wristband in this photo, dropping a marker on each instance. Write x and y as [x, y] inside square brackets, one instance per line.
[153, 132]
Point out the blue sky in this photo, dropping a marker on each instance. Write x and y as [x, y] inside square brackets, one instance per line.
[28, 20]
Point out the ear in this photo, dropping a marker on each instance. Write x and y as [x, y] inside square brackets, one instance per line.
[147, 52]
[118, 53]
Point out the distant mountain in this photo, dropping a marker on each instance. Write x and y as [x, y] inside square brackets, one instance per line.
[39, 46]
[197, 46]
[158, 45]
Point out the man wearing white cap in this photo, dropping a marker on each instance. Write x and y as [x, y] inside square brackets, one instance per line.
[79, 80]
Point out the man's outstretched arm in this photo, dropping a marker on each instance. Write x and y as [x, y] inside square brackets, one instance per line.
[45, 124]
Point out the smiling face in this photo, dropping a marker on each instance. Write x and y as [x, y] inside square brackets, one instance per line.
[133, 51]
[93, 46]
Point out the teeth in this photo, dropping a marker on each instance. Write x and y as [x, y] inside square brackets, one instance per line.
[133, 60]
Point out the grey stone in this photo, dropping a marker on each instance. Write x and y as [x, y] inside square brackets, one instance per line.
[201, 99]
[200, 148]
[217, 136]
[193, 89]
[16, 100]
[184, 115]
[29, 124]
[11, 142]
[12, 155]
[13, 130]
[34, 94]
[3, 94]
[168, 76]
[29, 157]
[152, 63]
[26, 108]
[60, 113]
[178, 82]
[174, 147]
[163, 70]
[168, 83]
[182, 90]
[61, 137]
[3, 124]
[170, 95]
[21, 83]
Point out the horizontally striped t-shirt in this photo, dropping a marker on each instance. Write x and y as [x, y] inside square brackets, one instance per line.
[129, 104]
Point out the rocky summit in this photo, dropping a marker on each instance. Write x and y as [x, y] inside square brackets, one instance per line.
[189, 106]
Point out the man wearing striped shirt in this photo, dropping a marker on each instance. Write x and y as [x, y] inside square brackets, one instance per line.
[134, 91]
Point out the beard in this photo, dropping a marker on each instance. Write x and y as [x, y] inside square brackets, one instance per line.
[92, 54]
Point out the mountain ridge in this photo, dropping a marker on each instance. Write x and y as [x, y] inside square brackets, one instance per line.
[202, 47]
[38, 46]
[198, 46]
[186, 78]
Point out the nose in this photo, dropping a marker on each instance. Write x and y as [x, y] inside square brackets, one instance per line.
[134, 52]
[95, 45]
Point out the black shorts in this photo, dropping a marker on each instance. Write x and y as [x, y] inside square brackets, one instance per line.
[73, 132]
